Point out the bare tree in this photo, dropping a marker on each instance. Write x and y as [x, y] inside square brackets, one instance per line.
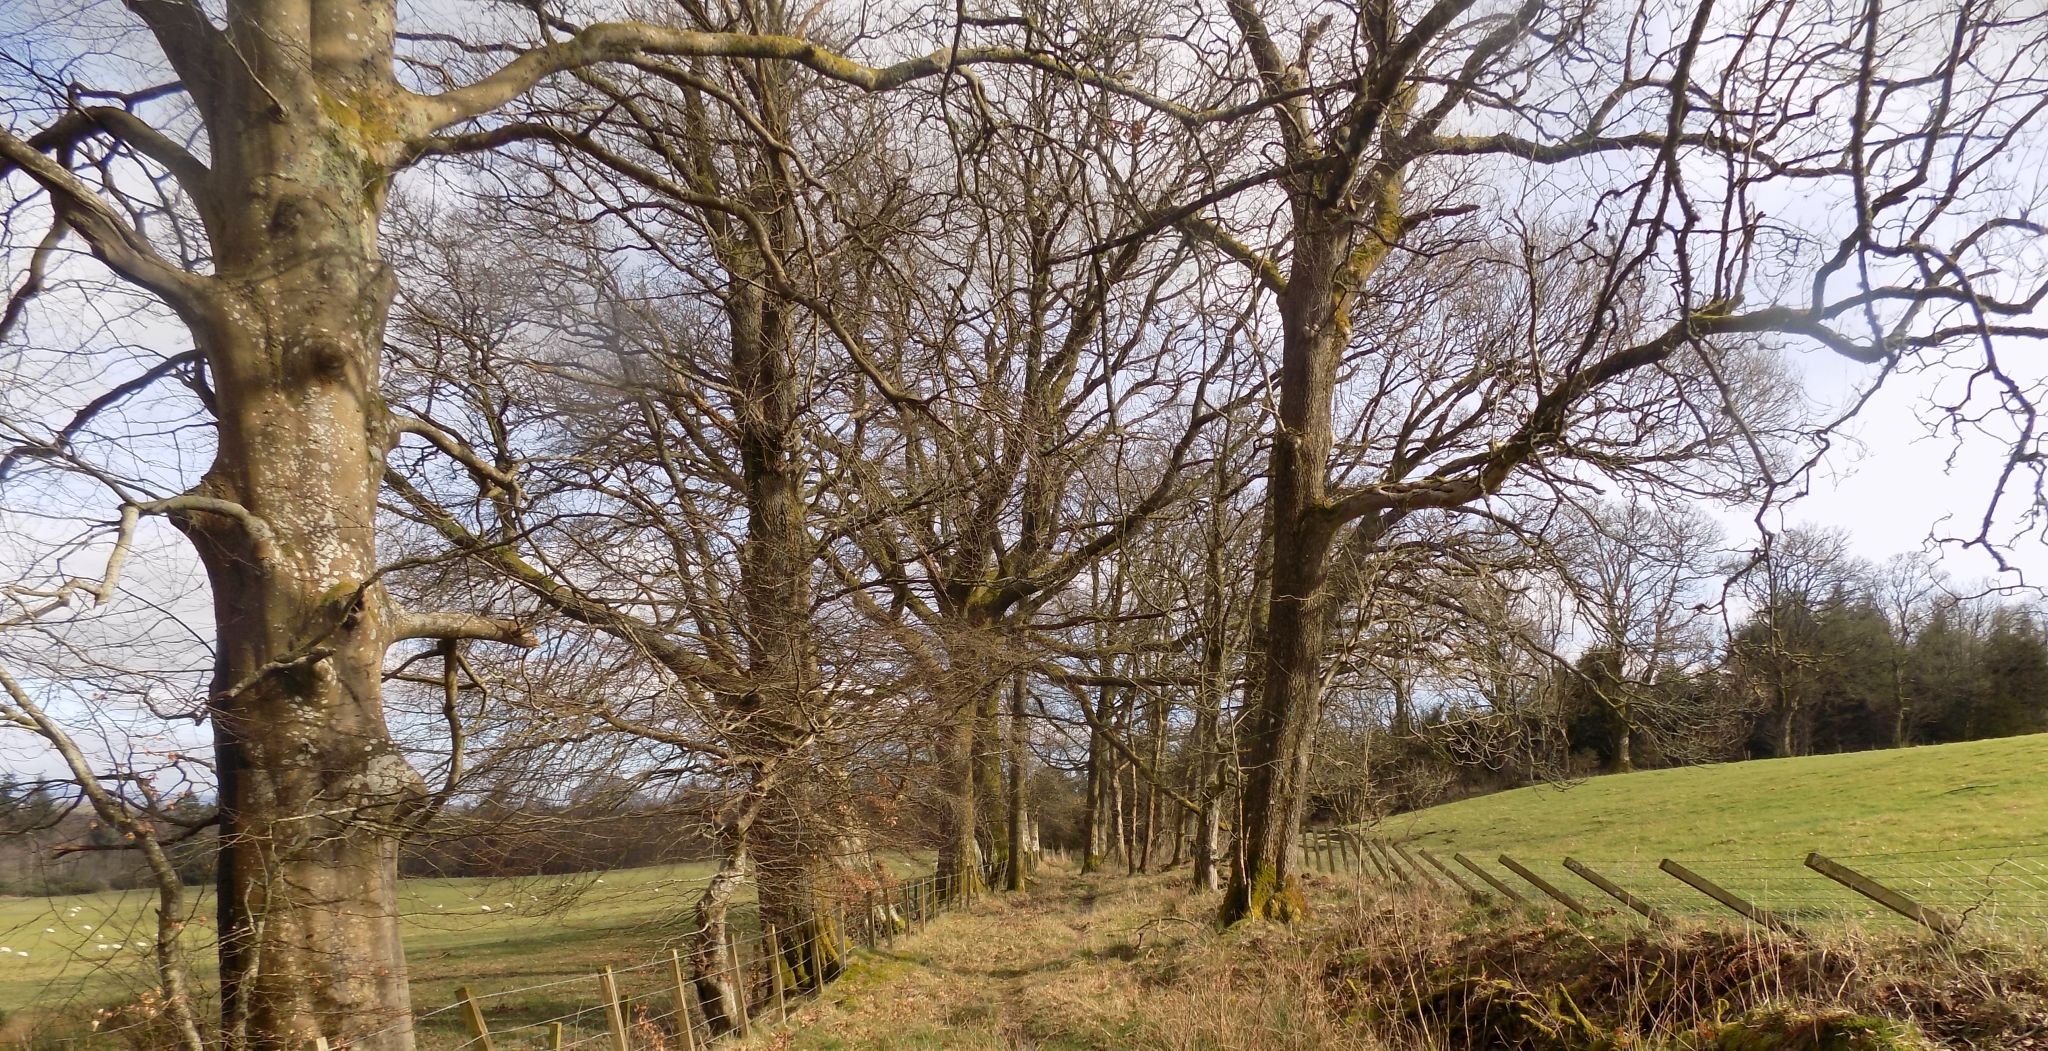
[266, 136]
[1622, 329]
[1639, 573]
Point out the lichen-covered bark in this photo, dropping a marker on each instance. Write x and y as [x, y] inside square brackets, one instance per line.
[718, 990]
[311, 784]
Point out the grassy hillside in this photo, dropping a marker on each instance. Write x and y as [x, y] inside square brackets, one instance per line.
[1975, 794]
[1962, 824]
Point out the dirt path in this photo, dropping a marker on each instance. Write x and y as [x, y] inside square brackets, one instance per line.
[1061, 966]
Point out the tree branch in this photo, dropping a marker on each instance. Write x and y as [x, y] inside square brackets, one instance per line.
[408, 625]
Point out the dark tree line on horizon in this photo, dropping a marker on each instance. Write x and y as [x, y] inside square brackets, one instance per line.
[1811, 674]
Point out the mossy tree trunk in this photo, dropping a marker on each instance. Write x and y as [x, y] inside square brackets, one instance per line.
[1279, 727]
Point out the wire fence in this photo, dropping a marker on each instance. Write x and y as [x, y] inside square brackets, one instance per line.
[752, 979]
[1997, 890]
[717, 988]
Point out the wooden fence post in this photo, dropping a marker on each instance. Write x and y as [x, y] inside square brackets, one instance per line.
[1428, 879]
[739, 988]
[554, 1036]
[1613, 890]
[473, 1014]
[1470, 891]
[1372, 854]
[1505, 890]
[1939, 921]
[614, 1015]
[775, 989]
[1721, 894]
[1393, 864]
[684, 1026]
[1543, 885]
[1402, 866]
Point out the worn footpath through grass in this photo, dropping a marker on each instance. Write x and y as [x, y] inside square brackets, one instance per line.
[1103, 961]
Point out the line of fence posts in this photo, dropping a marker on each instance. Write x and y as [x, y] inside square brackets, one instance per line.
[1393, 864]
[912, 905]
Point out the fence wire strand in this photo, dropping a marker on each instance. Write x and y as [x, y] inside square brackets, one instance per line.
[869, 920]
[1995, 887]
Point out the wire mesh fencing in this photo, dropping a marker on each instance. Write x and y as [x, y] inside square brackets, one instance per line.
[754, 977]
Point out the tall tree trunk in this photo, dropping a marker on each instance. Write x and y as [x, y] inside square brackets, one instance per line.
[959, 856]
[718, 994]
[1901, 712]
[1155, 705]
[1019, 853]
[1097, 816]
[1278, 731]
[988, 773]
[795, 836]
[311, 784]
[1119, 843]
[1208, 829]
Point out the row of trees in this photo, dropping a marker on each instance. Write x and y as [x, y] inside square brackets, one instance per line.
[1702, 656]
[805, 429]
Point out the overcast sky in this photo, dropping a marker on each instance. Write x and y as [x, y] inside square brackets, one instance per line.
[1896, 481]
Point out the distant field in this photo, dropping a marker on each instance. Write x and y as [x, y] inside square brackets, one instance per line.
[1964, 824]
[492, 934]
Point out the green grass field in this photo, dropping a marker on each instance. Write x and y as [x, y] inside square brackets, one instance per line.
[1965, 825]
[496, 935]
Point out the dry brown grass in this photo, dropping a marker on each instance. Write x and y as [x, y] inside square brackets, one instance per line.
[1516, 982]
[1090, 962]
[1111, 962]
